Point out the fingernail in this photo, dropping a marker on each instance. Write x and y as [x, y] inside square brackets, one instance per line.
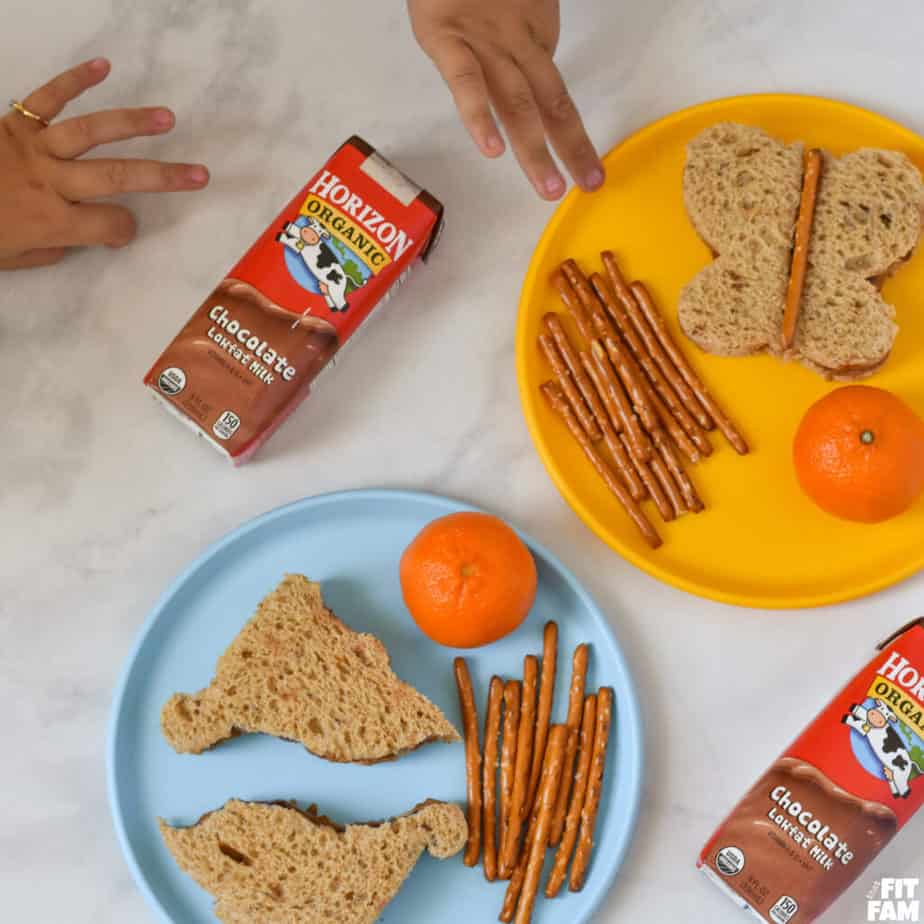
[493, 144]
[198, 175]
[162, 118]
[99, 65]
[594, 179]
[554, 186]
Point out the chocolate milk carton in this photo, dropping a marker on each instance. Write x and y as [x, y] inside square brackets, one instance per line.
[247, 357]
[846, 786]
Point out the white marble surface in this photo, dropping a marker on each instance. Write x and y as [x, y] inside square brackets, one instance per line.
[105, 498]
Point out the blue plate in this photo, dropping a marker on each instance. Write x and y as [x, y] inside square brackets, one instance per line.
[351, 543]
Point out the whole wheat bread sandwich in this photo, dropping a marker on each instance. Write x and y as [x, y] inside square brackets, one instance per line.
[297, 672]
[274, 864]
[742, 191]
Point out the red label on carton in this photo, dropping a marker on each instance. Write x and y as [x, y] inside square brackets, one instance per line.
[249, 354]
[834, 799]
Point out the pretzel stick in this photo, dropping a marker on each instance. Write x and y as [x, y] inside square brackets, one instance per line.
[648, 467]
[691, 500]
[694, 446]
[573, 304]
[546, 693]
[594, 787]
[636, 294]
[623, 307]
[590, 300]
[566, 380]
[630, 298]
[578, 371]
[515, 886]
[654, 318]
[489, 777]
[676, 506]
[472, 761]
[588, 297]
[559, 404]
[575, 706]
[656, 479]
[634, 382]
[617, 403]
[655, 491]
[517, 899]
[637, 442]
[653, 375]
[813, 165]
[600, 305]
[519, 871]
[512, 696]
[527, 732]
[560, 739]
[573, 820]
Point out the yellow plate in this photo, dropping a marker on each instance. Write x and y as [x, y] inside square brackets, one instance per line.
[760, 542]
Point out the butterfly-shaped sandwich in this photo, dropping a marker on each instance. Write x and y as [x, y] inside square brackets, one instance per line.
[802, 246]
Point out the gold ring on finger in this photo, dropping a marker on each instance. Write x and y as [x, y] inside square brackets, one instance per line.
[28, 113]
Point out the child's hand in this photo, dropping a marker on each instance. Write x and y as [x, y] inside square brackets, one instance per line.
[46, 193]
[499, 53]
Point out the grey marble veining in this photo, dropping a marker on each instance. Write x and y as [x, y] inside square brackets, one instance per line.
[103, 499]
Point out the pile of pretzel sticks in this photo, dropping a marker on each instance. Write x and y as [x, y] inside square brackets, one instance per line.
[630, 387]
[550, 780]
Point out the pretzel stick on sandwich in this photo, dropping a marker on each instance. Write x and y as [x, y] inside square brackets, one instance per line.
[569, 386]
[512, 696]
[489, 777]
[559, 404]
[524, 883]
[813, 164]
[630, 297]
[654, 318]
[658, 383]
[579, 661]
[472, 761]
[546, 694]
[573, 304]
[527, 732]
[591, 808]
[589, 392]
[573, 820]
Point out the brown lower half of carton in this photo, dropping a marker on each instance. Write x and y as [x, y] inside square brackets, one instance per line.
[796, 842]
[240, 365]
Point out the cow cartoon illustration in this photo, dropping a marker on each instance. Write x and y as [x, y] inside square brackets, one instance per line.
[309, 242]
[874, 723]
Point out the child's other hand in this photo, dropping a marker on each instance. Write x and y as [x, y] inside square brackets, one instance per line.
[46, 193]
[498, 53]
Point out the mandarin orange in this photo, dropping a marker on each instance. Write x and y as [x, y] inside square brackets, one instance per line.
[468, 580]
[859, 454]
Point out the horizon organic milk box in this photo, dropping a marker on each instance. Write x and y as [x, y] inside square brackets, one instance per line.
[247, 357]
[834, 799]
